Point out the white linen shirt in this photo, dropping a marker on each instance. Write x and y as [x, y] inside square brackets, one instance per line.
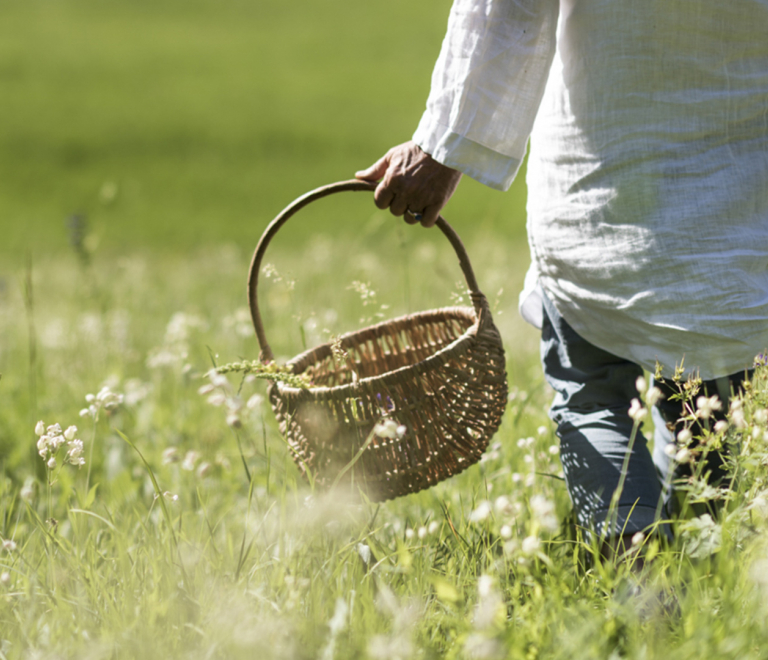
[648, 169]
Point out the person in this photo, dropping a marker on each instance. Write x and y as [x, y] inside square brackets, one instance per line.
[647, 207]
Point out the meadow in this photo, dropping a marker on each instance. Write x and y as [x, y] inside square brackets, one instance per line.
[144, 146]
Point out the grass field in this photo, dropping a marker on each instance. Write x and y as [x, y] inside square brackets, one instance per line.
[178, 130]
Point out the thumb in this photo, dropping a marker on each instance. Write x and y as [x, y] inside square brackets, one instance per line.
[375, 171]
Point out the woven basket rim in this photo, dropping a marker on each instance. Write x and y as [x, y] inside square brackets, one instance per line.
[437, 359]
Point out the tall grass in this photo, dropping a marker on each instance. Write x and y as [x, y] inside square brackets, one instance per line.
[188, 536]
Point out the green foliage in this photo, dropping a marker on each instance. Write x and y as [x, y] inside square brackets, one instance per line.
[189, 533]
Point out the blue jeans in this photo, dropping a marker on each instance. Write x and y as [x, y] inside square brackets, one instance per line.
[593, 393]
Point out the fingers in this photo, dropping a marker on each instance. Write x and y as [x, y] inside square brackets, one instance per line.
[430, 215]
[383, 196]
[375, 171]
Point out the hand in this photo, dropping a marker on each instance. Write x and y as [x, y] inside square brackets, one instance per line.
[411, 182]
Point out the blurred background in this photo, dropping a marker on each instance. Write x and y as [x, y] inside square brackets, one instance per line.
[169, 125]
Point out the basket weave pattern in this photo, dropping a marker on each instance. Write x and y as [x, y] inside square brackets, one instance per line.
[439, 375]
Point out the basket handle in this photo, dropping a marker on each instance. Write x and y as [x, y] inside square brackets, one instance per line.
[266, 356]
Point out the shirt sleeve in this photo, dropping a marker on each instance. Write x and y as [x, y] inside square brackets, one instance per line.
[487, 86]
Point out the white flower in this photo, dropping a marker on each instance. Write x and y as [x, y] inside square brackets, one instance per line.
[482, 511]
[75, 452]
[485, 586]
[233, 420]
[554, 450]
[531, 545]
[654, 396]
[5, 577]
[170, 455]
[706, 406]
[422, 533]
[641, 385]
[9, 545]
[685, 436]
[190, 460]
[761, 416]
[70, 433]
[721, 426]
[387, 428]
[409, 533]
[637, 539]
[683, 456]
[204, 469]
[255, 402]
[636, 411]
[542, 430]
[51, 463]
[671, 449]
[544, 513]
[505, 532]
[365, 552]
[433, 527]
[39, 428]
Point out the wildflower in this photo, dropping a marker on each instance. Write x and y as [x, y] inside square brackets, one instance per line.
[170, 455]
[255, 402]
[5, 577]
[671, 449]
[9, 545]
[388, 428]
[503, 506]
[40, 428]
[707, 405]
[684, 437]
[544, 513]
[641, 385]
[482, 511]
[531, 545]
[683, 455]
[105, 399]
[721, 426]
[75, 452]
[505, 532]
[190, 460]
[761, 416]
[409, 533]
[233, 420]
[51, 463]
[653, 396]
[542, 430]
[636, 411]
[433, 527]
[204, 470]
[637, 539]
[422, 533]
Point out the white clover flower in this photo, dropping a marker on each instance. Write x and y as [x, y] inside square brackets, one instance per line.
[482, 512]
[685, 436]
[531, 545]
[636, 411]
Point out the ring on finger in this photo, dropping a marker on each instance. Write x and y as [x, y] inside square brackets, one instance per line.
[416, 216]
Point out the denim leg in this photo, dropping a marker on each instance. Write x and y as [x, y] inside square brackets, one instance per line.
[594, 390]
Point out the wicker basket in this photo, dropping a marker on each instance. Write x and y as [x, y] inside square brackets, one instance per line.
[438, 375]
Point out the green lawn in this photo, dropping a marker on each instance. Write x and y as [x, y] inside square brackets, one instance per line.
[174, 124]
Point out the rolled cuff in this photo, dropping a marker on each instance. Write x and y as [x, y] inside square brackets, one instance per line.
[485, 165]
